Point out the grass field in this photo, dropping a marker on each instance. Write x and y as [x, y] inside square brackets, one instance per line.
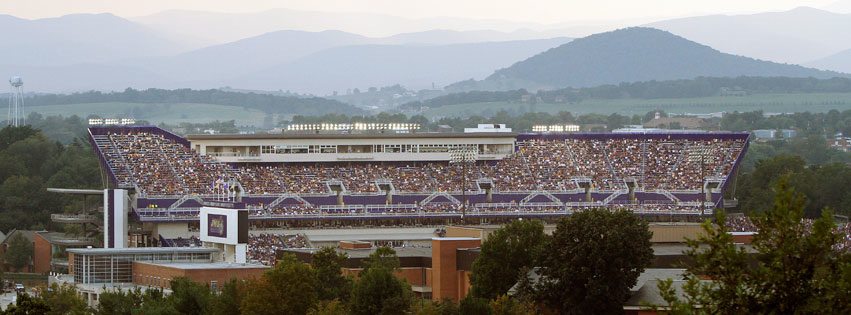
[769, 103]
[157, 113]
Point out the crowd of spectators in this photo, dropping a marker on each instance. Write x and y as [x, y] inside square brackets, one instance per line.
[192, 241]
[160, 166]
[263, 247]
[745, 224]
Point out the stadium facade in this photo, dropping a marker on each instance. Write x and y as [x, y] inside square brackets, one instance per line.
[307, 179]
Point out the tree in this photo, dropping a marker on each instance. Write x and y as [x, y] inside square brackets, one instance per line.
[474, 306]
[443, 307]
[228, 300]
[504, 305]
[64, 300]
[289, 288]
[796, 268]
[332, 307]
[506, 252]
[592, 261]
[189, 297]
[27, 305]
[378, 291]
[154, 302]
[119, 302]
[20, 252]
[331, 285]
[383, 257]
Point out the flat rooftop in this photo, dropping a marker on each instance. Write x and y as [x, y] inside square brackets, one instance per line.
[140, 250]
[205, 266]
[665, 249]
[401, 252]
[372, 237]
[279, 136]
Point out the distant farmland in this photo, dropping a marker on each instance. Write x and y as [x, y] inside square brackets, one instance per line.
[769, 103]
[172, 113]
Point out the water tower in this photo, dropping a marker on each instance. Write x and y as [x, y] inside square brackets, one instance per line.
[16, 101]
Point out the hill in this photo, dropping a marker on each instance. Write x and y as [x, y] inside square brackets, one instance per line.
[649, 90]
[630, 55]
[79, 38]
[218, 26]
[264, 103]
[415, 67]
[226, 61]
[841, 6]
[795, 36]
[838, 62]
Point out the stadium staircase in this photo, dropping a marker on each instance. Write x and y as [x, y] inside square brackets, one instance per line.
[614, 195]
[614, 176]
[528, 199]
[281, 199]
[105, 143]
[183, 199]
[439, 194]
[668, 194]
[176, 175]
[679, 161]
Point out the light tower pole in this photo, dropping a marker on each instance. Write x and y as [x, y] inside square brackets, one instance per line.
[463, 155]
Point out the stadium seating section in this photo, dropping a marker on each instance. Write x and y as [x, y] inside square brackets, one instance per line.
[159, 164]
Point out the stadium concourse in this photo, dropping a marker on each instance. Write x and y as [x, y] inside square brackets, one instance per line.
[341, 180]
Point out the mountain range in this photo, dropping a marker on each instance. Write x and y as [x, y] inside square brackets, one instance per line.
[295, 50]
[840, 61]
[219, 27]
[630, 55]
[796, 36]
[79, 38]
[416, 67]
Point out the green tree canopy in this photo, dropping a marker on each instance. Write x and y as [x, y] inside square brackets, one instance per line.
[378, 291]
[64, 300]
[20, 252]
[796, 267]
[189, 297]
[289, 288]
[507, 251]
[228, 300]
[332, 285]
[594, 258]
[27, 305]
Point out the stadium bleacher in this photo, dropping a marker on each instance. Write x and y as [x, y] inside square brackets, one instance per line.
[665, 173]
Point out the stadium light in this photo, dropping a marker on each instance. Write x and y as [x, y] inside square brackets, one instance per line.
[111, 121]
[465, 154]
[353, 126]
[555, 128]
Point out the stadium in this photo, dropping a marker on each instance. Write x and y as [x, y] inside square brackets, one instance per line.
[482, 176]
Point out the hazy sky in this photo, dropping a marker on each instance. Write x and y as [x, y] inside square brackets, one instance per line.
[543, 11]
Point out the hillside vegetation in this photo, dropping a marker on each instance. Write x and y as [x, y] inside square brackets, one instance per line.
[693, 88]
[265, 103]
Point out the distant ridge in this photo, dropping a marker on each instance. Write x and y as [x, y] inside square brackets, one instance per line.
[795, 36]
[840, 61]
[630, 55]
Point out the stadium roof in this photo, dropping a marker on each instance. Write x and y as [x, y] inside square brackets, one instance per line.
[205, 265]
[73, 191]
[401, 252]
[352, 136]
[140, 250]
